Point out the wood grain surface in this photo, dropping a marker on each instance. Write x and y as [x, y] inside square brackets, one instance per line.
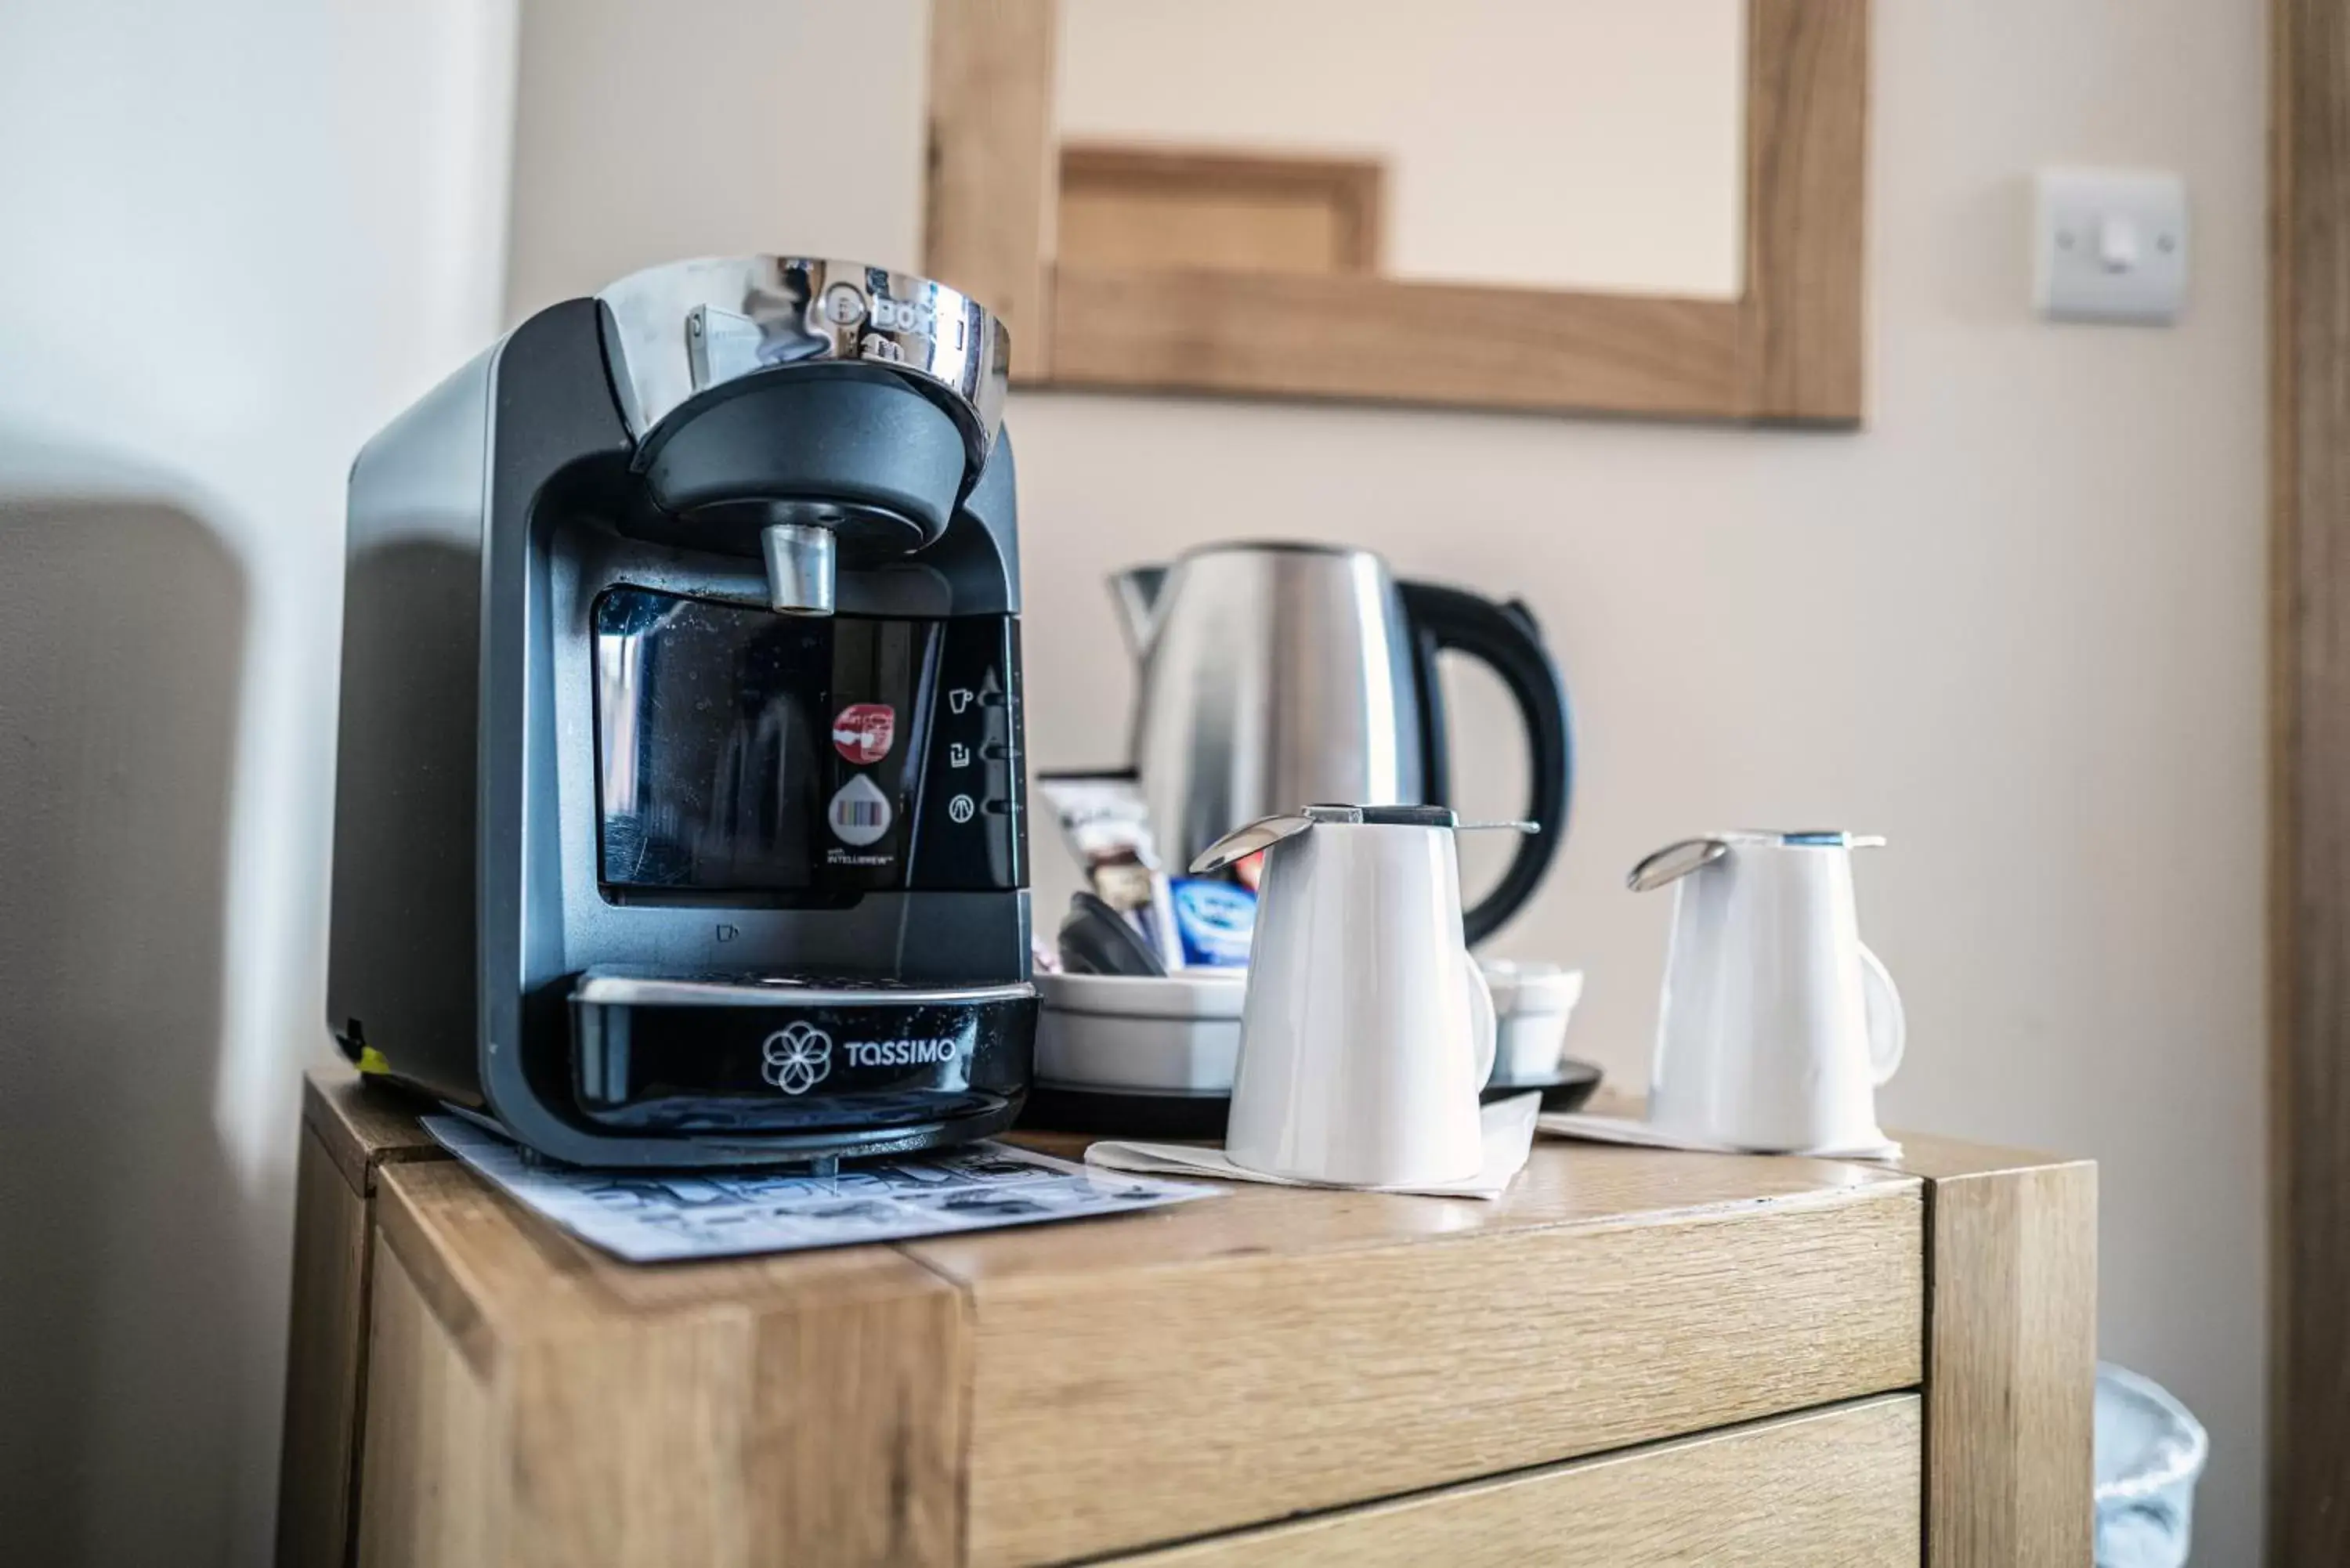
[1564, 1185]
[2011, 1366]
[350, 1130]
[364, 1126]
[1836, 1488]
[1805, 307]
[325, 1345]
[799, 1408]
[2309, 866]
[1040, 1394]
[1377, 338]
[1148, 205]
[1282, 1350]
[991, 198]
[439, 1478]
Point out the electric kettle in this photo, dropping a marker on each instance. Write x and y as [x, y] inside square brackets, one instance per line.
[1273, 675]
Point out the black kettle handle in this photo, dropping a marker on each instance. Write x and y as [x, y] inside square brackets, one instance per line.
[1506, 638]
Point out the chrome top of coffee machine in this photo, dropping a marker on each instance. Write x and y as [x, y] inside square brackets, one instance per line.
[1274, 676]
[680, 817]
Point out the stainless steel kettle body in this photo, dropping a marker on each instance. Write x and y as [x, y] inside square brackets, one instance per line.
[1274, 676]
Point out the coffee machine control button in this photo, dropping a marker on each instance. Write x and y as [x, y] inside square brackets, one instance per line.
[972, 834]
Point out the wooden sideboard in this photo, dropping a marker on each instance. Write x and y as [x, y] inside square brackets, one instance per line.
[1634, 1357]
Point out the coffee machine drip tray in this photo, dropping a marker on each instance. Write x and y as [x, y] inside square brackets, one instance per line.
[840, 1063]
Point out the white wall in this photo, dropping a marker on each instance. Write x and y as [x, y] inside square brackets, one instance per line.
[233, 238]
[2015, 625]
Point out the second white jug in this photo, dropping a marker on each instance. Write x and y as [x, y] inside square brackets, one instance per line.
[1776, 1024]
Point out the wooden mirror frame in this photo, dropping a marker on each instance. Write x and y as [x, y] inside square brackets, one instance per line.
[1789, 349]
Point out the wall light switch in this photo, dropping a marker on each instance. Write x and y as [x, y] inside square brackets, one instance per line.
[2109, 245]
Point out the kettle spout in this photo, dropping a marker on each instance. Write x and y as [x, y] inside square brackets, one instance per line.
[1137, 590]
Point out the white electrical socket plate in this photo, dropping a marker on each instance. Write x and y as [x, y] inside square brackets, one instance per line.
[2109, 245]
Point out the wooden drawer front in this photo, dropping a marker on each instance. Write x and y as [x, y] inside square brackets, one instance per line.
[531, 1404]
[1837, 1488]
[436, 1484]
[1109, 1412]
[325, 1360]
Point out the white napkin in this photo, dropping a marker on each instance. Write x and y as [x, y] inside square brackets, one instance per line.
[1642, 1135]
[1509, 1128]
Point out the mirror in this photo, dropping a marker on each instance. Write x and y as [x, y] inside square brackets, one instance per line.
[1652, 209]
[1581, 144]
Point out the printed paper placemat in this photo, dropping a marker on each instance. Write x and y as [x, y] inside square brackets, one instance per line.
[649, 1217]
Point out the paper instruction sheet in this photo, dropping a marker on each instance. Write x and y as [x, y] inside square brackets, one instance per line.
[648, 1217]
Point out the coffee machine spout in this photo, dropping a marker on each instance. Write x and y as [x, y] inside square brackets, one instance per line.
[799, 558]
[1137, 590]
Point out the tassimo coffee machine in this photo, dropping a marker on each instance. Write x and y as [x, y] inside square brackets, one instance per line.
[680, 814]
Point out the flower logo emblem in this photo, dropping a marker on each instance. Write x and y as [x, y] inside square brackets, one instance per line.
[799, 1055]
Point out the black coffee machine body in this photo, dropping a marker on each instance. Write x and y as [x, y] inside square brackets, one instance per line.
[679, 815]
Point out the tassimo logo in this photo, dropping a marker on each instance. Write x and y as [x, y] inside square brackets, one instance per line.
[899, 1053]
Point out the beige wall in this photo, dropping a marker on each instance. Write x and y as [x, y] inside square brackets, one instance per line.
[1502, 129]
[647, 132]
[2015, 625]
[237, 237]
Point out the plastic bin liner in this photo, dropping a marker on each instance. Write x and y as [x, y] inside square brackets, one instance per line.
[2149, 1452]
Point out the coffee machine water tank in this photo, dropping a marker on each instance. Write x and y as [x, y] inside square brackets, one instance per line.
[679, 816]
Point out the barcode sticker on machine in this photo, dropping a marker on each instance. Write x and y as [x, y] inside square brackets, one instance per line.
[859, 812]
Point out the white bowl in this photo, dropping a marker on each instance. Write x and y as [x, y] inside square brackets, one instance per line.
[1168, 1035]
[1180, 1033]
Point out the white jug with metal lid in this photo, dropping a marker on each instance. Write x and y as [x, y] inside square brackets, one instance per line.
[1368, 1031]
[1777, 1023]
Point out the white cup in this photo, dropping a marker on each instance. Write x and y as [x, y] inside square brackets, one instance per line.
[1367, 1031]
[1777, 1023]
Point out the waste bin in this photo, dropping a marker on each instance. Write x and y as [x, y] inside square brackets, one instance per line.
[2149, 1452]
